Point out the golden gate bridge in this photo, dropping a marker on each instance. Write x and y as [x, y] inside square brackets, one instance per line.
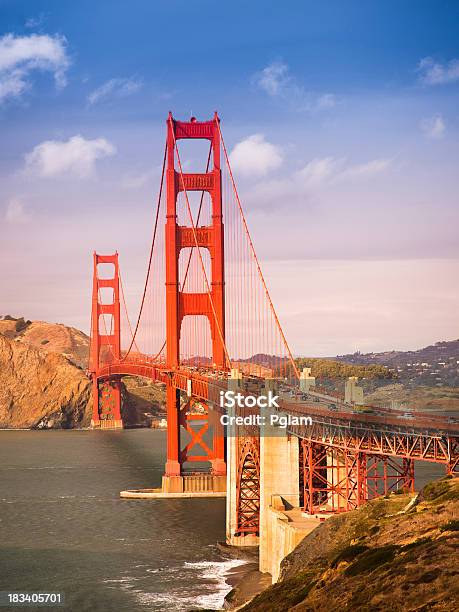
[206, 320]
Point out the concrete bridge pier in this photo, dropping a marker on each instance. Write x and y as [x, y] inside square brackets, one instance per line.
[279, 484]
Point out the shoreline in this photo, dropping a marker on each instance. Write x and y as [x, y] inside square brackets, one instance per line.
[246, 580]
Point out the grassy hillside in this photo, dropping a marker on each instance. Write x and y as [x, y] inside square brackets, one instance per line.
[438, 399]
[397, 553]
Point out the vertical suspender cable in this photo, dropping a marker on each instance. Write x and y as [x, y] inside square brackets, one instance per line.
[252, 248]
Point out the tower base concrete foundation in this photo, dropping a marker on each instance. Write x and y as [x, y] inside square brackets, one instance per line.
[186, 485]
[107, 424]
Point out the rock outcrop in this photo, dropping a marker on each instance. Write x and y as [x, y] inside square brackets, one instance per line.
[52, 337]
[40, 388]
[43, 383]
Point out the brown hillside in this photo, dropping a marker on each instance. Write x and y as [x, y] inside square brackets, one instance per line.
[53, 337]
[394, 553]
[32, 395]
[40, 389]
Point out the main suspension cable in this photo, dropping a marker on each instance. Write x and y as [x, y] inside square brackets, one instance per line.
[123, 299]
[158, 206]
[257, 263]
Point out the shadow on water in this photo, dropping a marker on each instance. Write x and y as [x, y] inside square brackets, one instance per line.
[136, 449]
[64, 526]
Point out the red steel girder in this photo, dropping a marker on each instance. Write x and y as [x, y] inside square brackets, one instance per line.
[337, 480]
[248, 487]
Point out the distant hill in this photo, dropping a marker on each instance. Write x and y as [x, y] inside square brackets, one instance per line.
[43, 383]
[322, 368]
[336, 369]
[328, 368]
[434, 365]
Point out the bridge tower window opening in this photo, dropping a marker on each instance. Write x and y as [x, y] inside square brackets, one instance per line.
[106, 324]
[195, 154]
[105, 271]
[106, 295]
[196, 342]
[191, 277]
[201, 208]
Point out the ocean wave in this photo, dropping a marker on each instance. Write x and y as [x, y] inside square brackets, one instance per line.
[206, 586]
[215, 570]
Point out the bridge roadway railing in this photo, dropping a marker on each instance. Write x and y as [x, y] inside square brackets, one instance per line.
[420, 438]
[201, 383]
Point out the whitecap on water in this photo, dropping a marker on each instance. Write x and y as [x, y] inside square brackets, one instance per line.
[210, 587]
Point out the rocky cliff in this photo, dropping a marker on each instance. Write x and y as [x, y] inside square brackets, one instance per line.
[43, 382]
[396, 553]
[40, 388]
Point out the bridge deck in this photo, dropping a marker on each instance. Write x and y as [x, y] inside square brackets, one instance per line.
[423, 436]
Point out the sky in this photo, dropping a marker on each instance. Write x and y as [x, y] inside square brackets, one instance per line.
[341, 119]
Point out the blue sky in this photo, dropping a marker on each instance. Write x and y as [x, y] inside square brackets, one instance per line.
[342, 121]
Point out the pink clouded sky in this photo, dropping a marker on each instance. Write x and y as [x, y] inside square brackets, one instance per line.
[347, 167]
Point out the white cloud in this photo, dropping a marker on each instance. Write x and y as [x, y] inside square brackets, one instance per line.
[375, 166]
[434, 73]
[12, 85]
[324, 170]
[76, 156]
[16, 213]
[318, 177]
[274, 79]
[277, 81]
[35, 22]
[21, 55]
[318, 171]
[254, 156]
[118, 88]
[326, 101]
[433, 127]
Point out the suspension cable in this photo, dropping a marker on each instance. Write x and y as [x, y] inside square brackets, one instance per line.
[158, 206]
[123, 299]
[252, 248]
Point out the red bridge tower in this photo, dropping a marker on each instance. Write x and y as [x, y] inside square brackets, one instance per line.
[105, 344]
[179, 303]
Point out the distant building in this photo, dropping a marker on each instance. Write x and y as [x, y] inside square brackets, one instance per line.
[306, 380]
[353, 394]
